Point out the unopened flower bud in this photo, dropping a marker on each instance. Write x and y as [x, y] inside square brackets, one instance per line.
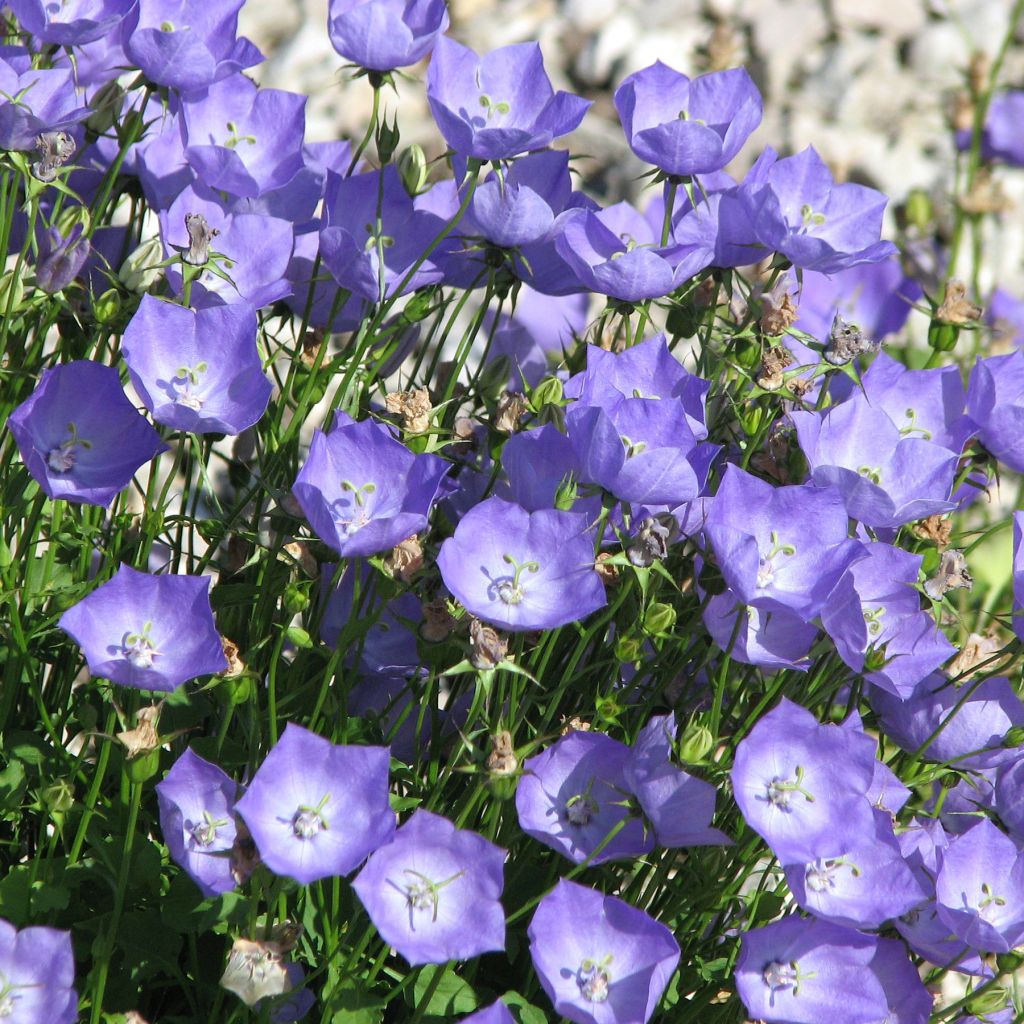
[388, 137]
[141, 270]
[107, 306]
[106, 108]
[294, 599]
[695, 744]
[659, 617]
[412, 167]
[548, 392]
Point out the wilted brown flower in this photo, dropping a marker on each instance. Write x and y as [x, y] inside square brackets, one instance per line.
[956, 308]
[406, 559]
[412, 406]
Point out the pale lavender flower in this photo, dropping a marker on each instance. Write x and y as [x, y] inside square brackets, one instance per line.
[37, 975]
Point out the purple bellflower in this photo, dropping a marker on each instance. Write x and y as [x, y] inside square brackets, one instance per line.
[886, 475]
[61, 258]
[771, 639]
[316, 809]
[497, 1013]
[780, 548]
[500, 105]
[197, 371]
[46, 102]
[540, 463]
[803, 786]
[71, 22]
[574, 795]
[800, 212]
[686, 127]
[678, 806]
[803, 971]
[600, 960]
[188, 45]
[363, 491]
[980, 889]
[149, 632]
[434, 891]
[1018, 574]
[37, 975]
[522, 570]
[197, 817]
[1005, 314]
[79, 436]
[1001, 137]
[381, 35]
[995, 402]
[242, 139]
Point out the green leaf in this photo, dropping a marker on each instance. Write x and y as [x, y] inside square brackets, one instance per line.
[451, 996]
[522, 1011]
[15, 895]
[12, 786]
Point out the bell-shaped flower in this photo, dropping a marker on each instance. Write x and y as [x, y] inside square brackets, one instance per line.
[149, 632]
[188, 45]
[373, 232]
[316, 809]
[980, 889]
[875, 619]
[35, 100]
[363, 491]
[72, 22]
[522, 570]
[496, 1013]
[574, 797]
[800, 212]
[1001, 137]
[886, 475]
[972, 727]
[61, 258]
[1005, 315]
[500, 105]
[79, 436]
[686, 127]
[803, 786]
[616, 252]
[995, 402]
[600, 960]
[244, 140]
[197, 818]
[381, 35]
[771, 639]
[37, 975]
[434, 891]
[780, 547]
[1018, 574]
[805, 971]
[542, 468]
[862, 886]
[678, 806]
[198, 371]
[1009, 797]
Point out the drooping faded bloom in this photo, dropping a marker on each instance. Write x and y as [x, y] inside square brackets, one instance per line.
[500, 105]
[37, 975]
[382, 35]
[434, 892]
[197, 818]
[79, 436]
[61, 258]
[600, 960]
[316, 809]
[197, 370]
[364, 492]
[683, 126]
[574, 797]
[522, 570]
[149, 632]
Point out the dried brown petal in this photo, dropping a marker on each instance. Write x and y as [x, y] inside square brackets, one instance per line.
[609, 573]
[956, 308]
[406, 559]
[144, 737]
[775, 320]
[300, 551]
[412, 406]
[235, 664]
[935, 528]
[574, 724]
[774, 363]
[255, 970]
[952, 575]
[511, 408]
[502, 759]
[976, 649]
[986, 196]
[438, 621]
[200, 235]
[487, 647]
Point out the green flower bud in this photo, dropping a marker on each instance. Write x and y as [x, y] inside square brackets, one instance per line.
[142, 269]
[1015, 737]
[106, 108]
[943, 337]
[70, 217]
[628, 648]
[990, 1001]
[420, 306]
[299, 637]
[59, 796]
[294, 599]
[143, 767]
[412, 168]
[388, 137]
[566, 494]
[107, 307]
[494, 377]
[696, 743]
[659, 617]
[919, 209]
[548, 392]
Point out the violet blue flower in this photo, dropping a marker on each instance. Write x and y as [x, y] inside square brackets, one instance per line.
[149, 632]
[37, 975]
[47, 101]
[683, 126]
[780, 548]
[805, 971]
[363, 491]
[434, 891]
[61, 258]
[678, 806]
[1005, 314]
[382, 35]
[197, 371]
[79, 436]
[242, 139]
[885, 475]
[800, 212]
[316, 809]
[995, 401]
[541, 464]
[188, 45]
[770, 639]
[1018, 574]
[1009, 797]
[980, 889]
[522, 570]
[197, 818]
[574, 795]
[1001, 137]
[600, 960]
[500, 105]
[803, 786]
[72, 22]
[496, 1013]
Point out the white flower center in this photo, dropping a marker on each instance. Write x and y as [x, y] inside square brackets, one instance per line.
[594, 979]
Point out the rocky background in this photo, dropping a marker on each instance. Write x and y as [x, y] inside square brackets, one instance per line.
[873, 84]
